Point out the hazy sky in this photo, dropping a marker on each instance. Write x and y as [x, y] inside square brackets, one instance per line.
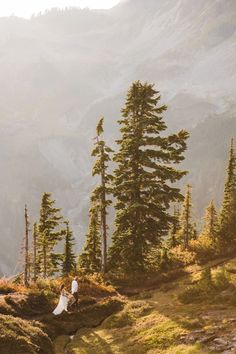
[25, 8]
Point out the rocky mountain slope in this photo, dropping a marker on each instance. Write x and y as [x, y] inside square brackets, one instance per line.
[62, 70]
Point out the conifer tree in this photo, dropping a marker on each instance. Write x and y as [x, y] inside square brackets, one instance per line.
[102, 152]
[210, 228]
[91, 257]
[143, 178]
[228, 212]
[49, 235]
[194, 233]
[35, 251]
[68, 263]
[26, 249]
[186, 227]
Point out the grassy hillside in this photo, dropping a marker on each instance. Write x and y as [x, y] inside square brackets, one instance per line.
[168, 320]
[188, 311]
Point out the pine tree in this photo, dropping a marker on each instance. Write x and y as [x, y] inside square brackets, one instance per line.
[102, 152]
[186, 227]
[175, 227]
[35, 251]
[90, 259]
[68, 263]
[26, 249]
[228, 212]
[194, 233]
[49, 235]
[211, 221]
[143, 178]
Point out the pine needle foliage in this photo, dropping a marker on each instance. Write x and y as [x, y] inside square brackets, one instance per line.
[68, 257]
[100, 194]
[90, 260]
[50, 233]
[228, 211]
[143, 178]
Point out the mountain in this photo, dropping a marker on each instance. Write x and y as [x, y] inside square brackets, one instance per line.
[61, 70]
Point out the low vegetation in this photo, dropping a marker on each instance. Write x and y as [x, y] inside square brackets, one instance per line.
[22, 337]
[96, 303]
[156, 321]
[210, 287]
[7, 287]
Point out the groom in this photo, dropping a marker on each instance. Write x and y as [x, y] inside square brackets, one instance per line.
[74, 292]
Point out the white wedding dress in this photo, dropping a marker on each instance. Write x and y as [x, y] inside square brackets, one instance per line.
[62, 305]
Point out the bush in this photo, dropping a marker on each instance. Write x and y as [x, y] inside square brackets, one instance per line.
[209, 287]
[200, 291]
[6, 287]
[205, 281]
[191, 294]
[221, 279]
[204, 247]
[180, 256]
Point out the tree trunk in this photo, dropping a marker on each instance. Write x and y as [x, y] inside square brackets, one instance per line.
[26, 249]
[103, 221]
[34, 256]
[44, 262]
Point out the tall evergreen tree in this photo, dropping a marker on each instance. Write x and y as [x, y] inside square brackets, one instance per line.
[143, 178]
[211, 221]
[26, 250]
[228, 212]
[68, 260]
[186, 226]
[90, 259]
[50, 233]
[102, 153]
[35, 251]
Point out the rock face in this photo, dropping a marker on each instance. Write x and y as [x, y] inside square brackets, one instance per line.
[62, 70]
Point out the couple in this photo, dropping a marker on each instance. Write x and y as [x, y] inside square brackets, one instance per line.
[64, 295]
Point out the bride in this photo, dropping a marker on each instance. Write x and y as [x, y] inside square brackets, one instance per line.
[63, 301]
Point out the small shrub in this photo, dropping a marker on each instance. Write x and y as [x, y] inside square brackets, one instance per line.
[181, 256]
[205, 247]
[191, 294]
[205, 282]
[221, 279]
[200, 291]
[209, 287]
[6, 287]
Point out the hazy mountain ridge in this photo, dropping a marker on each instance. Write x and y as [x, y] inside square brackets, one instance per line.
[61, 71]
